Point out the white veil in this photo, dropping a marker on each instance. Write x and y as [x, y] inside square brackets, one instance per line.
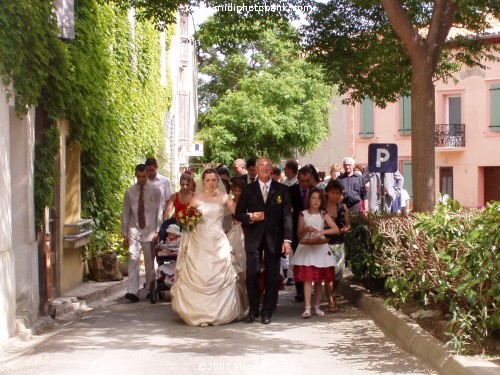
[199, 182]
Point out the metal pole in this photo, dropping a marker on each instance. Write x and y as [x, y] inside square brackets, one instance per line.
[382, 191]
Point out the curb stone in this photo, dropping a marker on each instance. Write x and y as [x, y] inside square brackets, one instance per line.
[414, 338]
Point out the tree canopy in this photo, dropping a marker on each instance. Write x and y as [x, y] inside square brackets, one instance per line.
[257, 94]
[362, 52]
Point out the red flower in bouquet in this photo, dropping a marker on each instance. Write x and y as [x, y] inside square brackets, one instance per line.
[189, 217]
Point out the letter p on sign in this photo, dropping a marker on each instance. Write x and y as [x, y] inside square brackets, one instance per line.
[383, 157]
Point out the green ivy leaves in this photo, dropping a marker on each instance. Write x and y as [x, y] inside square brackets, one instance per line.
[106, 82]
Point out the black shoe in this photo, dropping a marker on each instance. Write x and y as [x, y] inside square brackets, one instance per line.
[132, 297]
[299, 298]
[265, 319]
[250, 318]
[289, 282]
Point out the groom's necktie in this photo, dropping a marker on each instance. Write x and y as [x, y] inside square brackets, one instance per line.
[264, 192]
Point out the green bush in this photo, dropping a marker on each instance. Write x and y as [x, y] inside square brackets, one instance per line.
[360, 248]
[449, 258]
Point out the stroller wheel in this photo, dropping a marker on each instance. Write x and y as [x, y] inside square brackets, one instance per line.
[152, 292]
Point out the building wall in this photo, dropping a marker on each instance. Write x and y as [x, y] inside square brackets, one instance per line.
[22, 145]
[18, 249]
[69, 263]
[182, 119]
[7, 269]
[386, 129]
[481, 144]
[334, 148]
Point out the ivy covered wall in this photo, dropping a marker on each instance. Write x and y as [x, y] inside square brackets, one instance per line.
[106, 82]
[118, 116]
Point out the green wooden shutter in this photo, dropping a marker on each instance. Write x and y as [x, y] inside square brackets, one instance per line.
[495, 107]
[366, 120]
[405, 115]
[408, 185]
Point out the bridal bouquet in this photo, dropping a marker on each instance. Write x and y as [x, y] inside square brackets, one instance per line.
[189, 217]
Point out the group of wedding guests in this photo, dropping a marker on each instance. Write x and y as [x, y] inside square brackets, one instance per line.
[365, 191]
[228, 267]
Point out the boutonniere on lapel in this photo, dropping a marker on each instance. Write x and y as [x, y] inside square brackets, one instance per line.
[279, 200]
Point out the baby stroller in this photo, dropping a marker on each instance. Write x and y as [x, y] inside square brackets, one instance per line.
[166, 254]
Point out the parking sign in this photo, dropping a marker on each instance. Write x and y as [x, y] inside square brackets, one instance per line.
[383, 157]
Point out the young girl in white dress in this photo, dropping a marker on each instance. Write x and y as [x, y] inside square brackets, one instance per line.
[314, 263]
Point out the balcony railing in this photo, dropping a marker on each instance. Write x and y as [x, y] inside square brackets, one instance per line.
[450, 135]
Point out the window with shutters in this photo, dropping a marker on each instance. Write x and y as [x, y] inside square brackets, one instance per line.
[495, 107]
[185, 42]
[184, 24]
[405, 115]
[454, 114]
[366, 119]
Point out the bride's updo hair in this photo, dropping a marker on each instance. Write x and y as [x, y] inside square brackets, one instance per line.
[208, 171]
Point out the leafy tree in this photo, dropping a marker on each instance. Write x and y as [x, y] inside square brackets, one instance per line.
[260, 96]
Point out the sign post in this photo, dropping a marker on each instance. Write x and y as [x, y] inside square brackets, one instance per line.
[382, 158]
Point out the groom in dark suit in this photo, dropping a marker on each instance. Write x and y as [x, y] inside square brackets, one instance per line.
[264, 209]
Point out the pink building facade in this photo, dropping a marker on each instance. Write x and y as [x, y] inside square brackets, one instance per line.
[467, 135]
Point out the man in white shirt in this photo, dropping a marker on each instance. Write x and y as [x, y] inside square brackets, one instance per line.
[290, 170]
[142, 216]
[405, 202]
[162, 182]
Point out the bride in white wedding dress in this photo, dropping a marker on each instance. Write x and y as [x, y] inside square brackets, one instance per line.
[208, 289]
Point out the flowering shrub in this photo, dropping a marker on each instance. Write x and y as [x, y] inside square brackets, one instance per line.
[189, 217]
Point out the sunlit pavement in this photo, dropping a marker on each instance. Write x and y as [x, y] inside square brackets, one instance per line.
[142, 337]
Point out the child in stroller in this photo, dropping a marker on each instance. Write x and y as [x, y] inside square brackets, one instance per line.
[166, 254]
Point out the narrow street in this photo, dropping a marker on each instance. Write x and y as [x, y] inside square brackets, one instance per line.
[126, 338]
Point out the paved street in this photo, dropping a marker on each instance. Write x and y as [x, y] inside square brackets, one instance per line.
[126, 338]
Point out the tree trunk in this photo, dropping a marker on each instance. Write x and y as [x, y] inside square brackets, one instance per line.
[423, 118]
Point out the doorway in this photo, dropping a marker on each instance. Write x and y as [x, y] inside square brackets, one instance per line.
[446, 181]
[491, 184]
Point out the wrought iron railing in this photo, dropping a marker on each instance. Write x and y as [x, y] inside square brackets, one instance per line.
[450, 135]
